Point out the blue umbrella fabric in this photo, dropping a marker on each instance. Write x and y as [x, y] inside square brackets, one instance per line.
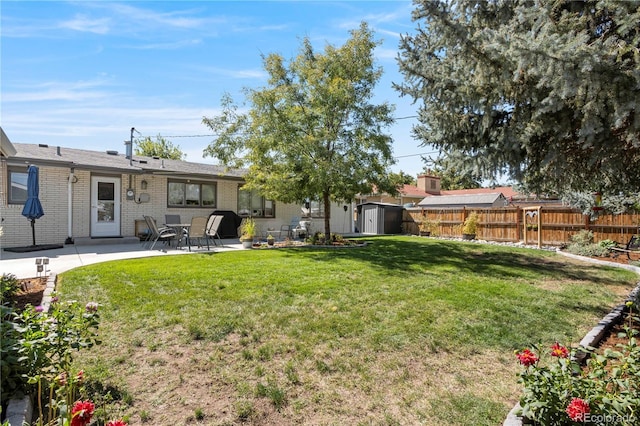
[32, 208]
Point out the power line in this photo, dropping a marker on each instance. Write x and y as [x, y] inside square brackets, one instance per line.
[214, 134]
[416, 155]
[182, 136]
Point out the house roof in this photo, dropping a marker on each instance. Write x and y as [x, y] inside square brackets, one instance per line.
[376, 203]
[462, 200]
[115, 162]
[6, 147]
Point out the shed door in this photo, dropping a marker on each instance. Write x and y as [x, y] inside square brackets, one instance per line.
[105, 206]
[370, 220]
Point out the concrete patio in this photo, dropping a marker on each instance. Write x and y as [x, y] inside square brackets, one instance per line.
[23, 265]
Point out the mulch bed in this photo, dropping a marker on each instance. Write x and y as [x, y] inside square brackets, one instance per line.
[31, 293]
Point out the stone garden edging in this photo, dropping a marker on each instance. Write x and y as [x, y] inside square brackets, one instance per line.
[596, 334]
[20, 410]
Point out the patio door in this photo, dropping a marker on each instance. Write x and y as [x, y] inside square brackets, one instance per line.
[105, 206]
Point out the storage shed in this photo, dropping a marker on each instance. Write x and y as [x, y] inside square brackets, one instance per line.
[379, 218]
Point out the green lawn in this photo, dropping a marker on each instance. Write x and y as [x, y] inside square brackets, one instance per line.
[405, 331]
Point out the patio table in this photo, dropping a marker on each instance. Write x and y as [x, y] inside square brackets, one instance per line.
[181, 229]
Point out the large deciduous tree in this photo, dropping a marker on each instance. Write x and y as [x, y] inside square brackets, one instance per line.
[545, 91]
[312, 132]
[161, 148]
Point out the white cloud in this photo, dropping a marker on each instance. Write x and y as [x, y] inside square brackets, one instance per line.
[168, 46]
[59, 91]
[83, 23]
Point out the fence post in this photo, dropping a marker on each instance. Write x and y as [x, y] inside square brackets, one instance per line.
[464, 216]
[540, 227]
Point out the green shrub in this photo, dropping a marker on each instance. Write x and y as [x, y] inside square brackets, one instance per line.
[10, 286]
[582, 244]
[38, 346]
[607, 244]
[582, 238]
[590, 250]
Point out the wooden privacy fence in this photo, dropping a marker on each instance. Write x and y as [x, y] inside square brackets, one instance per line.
[533, 225]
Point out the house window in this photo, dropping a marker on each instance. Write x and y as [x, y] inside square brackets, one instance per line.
[191, 194]
[252, 204]
[17, 186]
[313, 208]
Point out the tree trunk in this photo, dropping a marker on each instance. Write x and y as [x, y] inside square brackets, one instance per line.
[327, 216]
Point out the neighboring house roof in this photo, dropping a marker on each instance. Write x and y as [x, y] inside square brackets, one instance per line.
[507, 191]
[413, 191]
[116, 162]
[469, 200]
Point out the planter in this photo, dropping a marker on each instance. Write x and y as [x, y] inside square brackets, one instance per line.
[271, 242]
[468, 236]
[425, 233]
[247, 243]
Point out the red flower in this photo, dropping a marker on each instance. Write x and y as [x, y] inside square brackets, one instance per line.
[81, 413]
[577, 409]
[559, 351]
[62, 378]
[527, 357]
[117, 423]
[80, 376]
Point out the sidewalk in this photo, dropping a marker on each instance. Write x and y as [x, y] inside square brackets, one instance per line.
[23, 265]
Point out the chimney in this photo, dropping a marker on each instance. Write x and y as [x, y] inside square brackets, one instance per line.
[429, 184]
[129, 144]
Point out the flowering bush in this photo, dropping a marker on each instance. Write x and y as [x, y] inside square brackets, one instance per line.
[560, 391]
[37, 355]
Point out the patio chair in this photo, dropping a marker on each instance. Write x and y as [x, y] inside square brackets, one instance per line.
[302, 229]
[164, 233]
[197, 232]
[288, 230]
[213, 226]
[172, 218]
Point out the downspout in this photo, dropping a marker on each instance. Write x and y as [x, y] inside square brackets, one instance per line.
[351, 217]
[72, 179]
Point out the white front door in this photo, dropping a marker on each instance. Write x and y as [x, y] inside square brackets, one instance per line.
[105, 206]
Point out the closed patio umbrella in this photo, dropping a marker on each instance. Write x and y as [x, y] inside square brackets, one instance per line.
[32, 208]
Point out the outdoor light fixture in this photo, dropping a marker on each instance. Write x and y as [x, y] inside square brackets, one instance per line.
[143, 184]
[42, 266]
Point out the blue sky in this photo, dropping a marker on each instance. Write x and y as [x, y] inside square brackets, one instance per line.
[81, 74]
